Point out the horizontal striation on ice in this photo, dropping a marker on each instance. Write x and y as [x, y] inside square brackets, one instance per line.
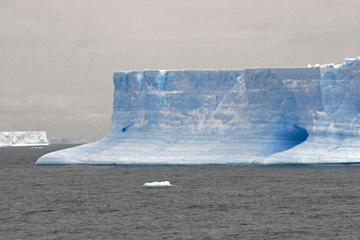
[264, 116]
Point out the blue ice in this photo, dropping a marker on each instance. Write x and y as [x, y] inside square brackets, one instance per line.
[261, 116]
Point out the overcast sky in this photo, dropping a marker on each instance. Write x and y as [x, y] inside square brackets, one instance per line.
[57, 56]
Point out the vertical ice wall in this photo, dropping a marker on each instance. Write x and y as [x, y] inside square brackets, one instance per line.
[217, 101]
[286, 115]
[336, 130]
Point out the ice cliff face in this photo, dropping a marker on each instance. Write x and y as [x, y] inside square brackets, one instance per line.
[292, 115]
[335, 133]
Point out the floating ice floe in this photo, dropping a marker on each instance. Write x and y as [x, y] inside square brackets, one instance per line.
[158, 184]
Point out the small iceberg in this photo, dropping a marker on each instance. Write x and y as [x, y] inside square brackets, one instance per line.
[158, 184]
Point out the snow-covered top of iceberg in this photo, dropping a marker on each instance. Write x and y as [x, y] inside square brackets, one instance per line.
[348, 62]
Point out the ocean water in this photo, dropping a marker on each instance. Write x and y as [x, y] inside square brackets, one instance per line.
[207, 202]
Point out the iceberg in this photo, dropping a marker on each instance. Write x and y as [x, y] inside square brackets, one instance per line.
[23, 138]
[252, 116]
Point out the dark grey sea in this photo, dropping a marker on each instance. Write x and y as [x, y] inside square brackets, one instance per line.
[207, 202]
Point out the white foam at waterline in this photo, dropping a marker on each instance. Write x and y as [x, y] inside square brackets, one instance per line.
[158, 184]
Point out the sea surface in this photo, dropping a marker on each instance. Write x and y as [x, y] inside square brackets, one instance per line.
[207, 202]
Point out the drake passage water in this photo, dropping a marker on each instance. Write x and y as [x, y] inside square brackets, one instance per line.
[262, 116]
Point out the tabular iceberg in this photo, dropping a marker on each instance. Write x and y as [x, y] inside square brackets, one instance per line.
[262, 116]
[27, 138]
